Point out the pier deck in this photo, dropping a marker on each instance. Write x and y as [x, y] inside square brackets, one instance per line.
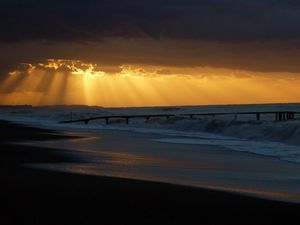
[278, 116]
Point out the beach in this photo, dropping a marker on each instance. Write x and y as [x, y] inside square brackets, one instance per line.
[149, 112]
[39, 196]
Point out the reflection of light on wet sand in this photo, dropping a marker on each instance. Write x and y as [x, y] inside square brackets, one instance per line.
[253, 192]
[80, 139]
[121, 158]
[114, 157]
[136, 173]
[185, 165]
[142, 166]
[87, 169]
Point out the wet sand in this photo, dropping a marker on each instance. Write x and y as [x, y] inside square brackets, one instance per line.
[33, 196]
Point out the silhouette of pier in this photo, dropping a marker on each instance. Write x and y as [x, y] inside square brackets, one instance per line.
[278, 116]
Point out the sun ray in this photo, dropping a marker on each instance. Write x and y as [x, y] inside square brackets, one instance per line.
[76, 82]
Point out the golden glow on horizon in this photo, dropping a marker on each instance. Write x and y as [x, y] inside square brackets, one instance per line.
[75, 82]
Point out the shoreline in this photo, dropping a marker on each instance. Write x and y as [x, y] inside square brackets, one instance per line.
[35, 196]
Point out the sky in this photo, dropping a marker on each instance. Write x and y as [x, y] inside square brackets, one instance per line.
[145, 53]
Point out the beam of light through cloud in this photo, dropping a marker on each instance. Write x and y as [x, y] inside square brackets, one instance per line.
[139, 52]
[61, 81]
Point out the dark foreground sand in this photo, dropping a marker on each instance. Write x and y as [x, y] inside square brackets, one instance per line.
[31, 196]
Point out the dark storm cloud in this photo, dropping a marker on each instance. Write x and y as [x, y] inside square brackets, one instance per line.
[255, 35]
[90, 20]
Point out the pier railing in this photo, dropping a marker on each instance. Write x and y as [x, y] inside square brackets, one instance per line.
[278, 116]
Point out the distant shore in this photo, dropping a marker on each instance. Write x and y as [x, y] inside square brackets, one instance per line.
[32, 196]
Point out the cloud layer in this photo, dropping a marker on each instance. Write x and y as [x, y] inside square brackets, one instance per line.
[256, 35]
[214, 20]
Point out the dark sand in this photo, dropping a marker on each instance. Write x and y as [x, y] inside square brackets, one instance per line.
[32, 196]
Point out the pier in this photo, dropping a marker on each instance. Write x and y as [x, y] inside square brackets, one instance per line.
[278, 116]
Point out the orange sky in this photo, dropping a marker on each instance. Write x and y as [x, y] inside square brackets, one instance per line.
[75, 82]
[149, 53]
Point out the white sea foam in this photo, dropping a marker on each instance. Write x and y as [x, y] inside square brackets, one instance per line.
[265, 137]
[282, 151]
